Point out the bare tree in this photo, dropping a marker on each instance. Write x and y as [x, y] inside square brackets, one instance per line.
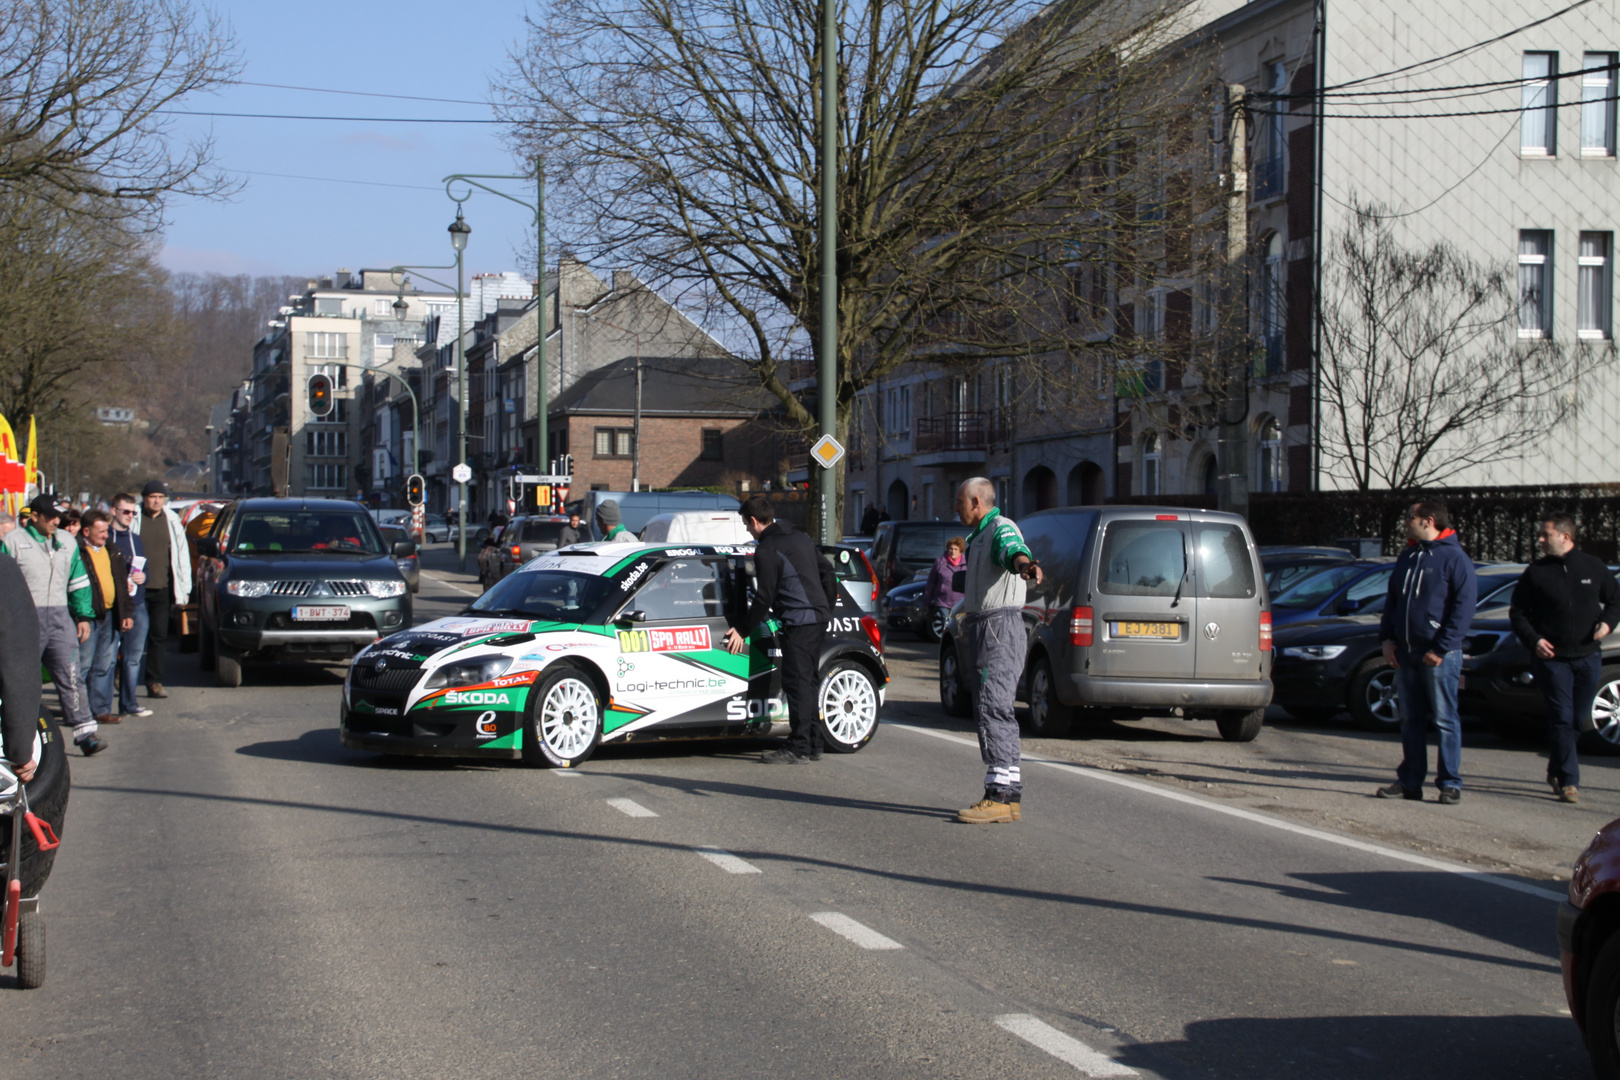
[1423, 371]
[987, 149]
[85, 86]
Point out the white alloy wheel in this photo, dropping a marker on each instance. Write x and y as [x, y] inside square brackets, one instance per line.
[570, 719]
[849, 707]
[1606, 712]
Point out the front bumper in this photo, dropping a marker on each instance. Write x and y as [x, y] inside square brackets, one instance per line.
[1320, 684]
[1165, 693]
[265, 624]
[432, 733]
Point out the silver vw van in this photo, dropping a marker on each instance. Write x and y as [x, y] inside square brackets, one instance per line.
[1142, 610]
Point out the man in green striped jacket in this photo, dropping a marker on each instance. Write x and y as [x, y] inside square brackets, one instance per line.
[60, 585]
[996, 641]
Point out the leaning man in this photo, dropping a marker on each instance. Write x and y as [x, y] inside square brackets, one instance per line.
[1564, 605]
[993, 632]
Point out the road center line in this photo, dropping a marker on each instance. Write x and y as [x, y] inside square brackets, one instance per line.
[1065, 1048]
[630, 807]
[862, 935]
[726, 861]
[1092, 773]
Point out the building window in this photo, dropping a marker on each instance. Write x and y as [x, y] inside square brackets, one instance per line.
[326, 443]
[1595, 294]
[1597, 104]
[1004, 388]
[325, 346]
[1151, 458]
[382, 308]
[1268, 160]
[713, 445]
[325, 477]
[1002, 489]
[615, 442]
[1270, 308]
[1535, 280]
[897, 411]
[1539, 124]
[1270, 456]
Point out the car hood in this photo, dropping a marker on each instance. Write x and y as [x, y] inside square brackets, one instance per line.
[454, 634]
[1316, 631]
[273, 565]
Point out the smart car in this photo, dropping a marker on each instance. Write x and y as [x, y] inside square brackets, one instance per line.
[603, 642]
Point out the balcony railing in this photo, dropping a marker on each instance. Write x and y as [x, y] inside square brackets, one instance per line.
[979, 430]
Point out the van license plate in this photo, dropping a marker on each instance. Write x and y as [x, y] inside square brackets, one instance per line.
[328, 613]
[1147, 629]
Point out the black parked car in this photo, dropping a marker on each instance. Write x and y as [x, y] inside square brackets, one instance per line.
[307, 579]
[1500, 689]
[1324, 666]
[901, 548]
[903, 609]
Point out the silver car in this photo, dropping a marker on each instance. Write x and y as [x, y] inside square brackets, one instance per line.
[1141, 610]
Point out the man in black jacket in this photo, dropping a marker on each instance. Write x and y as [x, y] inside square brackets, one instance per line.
[19, 671]
[1564, 605]
[794, 584]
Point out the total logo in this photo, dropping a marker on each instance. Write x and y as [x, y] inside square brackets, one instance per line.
[477, 697]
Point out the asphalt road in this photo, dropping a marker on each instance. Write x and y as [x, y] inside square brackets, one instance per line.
[237, 895]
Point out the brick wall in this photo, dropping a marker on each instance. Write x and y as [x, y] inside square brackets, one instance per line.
[672, 449]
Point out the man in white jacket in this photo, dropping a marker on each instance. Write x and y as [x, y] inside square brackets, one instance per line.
[168, 576]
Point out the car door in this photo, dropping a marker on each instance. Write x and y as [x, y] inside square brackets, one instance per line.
[673, 663]
[1227, 639]
[208, 568]
[1145, 606]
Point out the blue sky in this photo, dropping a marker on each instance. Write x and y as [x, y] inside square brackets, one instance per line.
[278, 225]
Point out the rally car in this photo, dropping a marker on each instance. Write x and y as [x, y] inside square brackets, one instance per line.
[603, 642]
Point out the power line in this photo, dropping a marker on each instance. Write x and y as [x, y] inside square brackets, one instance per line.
[336, 180]
[357, 93]
[352, 119]
[1313, 95]
[1423, 116]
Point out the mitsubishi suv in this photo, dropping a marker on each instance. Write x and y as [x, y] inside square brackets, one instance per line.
[296, 579]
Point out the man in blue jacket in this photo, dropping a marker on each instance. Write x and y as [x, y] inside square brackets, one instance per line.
[1426, 616]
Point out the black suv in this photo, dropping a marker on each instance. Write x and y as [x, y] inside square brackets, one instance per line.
[306, 579]
[901, 548]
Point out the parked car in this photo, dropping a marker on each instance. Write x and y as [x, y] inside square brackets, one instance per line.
[410, 566]
[435, 528]
[1589, 949]
[391, 517]
[303, 579]
[902, 608]
[1327, 665]
[696, 527]
[1347, 589]
[1142, 610]
[854, 570]
[636, 508]
[1283, 572]
[901, 548]
[525, 537]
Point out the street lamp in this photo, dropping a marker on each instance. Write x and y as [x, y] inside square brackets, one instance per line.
[459, 231]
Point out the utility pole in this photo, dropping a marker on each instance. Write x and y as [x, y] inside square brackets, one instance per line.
[543, 429]
[1231, 446]
[827, 361]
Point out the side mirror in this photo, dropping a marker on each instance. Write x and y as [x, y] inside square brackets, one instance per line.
[1349, 607]
[631, 617]
[404, 549]
[208, 547]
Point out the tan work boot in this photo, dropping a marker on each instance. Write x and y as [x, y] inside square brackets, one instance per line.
[1017, 810]
[1569, 795]
[986, 812]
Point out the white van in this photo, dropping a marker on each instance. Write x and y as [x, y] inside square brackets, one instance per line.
[696, 527]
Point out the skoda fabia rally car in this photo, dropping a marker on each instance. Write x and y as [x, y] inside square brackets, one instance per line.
[603, 642]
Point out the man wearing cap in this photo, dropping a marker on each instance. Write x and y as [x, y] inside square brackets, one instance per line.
[60, 587]
[168, 576]
[608, 523]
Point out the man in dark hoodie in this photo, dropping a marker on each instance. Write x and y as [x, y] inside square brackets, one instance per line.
[1563, 607]
[1428, 611]
[794, 584]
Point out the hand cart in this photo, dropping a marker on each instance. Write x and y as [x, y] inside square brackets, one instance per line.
[22, 924]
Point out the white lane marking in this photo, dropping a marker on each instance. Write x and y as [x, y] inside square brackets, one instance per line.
[431, 576]
[726, 861]
[631, 807]
[570, 773]
[1065, 1048]
[1262, 819]
[864, 936]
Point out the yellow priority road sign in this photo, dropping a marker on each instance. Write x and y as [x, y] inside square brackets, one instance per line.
[827, 452]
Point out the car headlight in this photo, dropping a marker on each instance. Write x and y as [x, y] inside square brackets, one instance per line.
[468, 672]
[382, 590]
[1314, 652]
[249, 589]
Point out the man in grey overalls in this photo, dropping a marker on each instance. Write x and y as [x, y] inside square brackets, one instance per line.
[996, 641]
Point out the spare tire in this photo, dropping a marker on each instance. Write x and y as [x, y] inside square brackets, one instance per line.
[47, 798]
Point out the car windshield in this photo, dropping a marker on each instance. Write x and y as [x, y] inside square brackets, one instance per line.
[1318, 587]
[541, 532]
[559, 595]
[925, 543]
[847, 565]
[348, 532]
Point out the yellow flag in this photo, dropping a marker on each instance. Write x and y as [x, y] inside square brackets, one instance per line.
[8, 454]
[31, 474]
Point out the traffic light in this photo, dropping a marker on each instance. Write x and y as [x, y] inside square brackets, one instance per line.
[567, 465]
[320, 395]
[413, 490]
